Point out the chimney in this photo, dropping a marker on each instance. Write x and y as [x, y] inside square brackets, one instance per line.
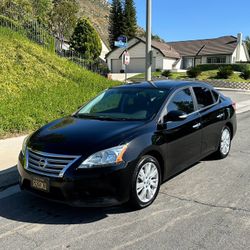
[239, 44]
[239, 38]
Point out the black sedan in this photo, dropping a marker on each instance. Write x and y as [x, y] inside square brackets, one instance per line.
[124, 143]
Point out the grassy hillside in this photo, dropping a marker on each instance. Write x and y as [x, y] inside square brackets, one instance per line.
[37, 86]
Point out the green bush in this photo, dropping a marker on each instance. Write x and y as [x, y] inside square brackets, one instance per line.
[245, 74]
[193, 72]
[158, 70]
[225, 72]
[85, 40]
[166, 73]
[236, 67]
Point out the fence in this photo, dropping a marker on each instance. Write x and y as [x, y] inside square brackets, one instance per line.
[36, 32]
[31, 29]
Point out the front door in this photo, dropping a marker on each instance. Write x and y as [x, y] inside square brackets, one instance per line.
[183, 137]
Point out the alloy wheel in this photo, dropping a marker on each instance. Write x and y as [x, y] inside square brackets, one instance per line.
[225, 141]
[147, 182]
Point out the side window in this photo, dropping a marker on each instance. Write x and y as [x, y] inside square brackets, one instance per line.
[216, 95]
[182, 101]
[204, 97]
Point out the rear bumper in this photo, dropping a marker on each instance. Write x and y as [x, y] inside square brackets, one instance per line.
[85, 188]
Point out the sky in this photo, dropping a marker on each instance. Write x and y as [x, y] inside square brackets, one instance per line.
[176, 20]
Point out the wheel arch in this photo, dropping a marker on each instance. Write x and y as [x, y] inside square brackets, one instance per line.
[160, 159]
[230, 126]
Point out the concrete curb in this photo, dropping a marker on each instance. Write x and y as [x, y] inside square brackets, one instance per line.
[8, 177]
[236, 90]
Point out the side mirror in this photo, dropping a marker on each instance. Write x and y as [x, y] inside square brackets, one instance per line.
[175, 115]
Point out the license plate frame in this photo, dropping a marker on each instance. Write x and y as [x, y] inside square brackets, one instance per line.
[41, 184]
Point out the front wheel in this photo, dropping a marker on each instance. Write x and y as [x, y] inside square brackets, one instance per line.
[225, 143]
[146, 182]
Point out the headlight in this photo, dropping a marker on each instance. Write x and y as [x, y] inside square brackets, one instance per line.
[24, 146]
[107, 156]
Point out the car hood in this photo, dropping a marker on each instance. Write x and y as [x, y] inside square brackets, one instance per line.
[77, 136]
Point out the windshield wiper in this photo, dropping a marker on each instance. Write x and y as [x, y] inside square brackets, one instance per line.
[102, 117]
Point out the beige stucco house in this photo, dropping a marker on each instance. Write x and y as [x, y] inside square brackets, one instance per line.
[180, 55]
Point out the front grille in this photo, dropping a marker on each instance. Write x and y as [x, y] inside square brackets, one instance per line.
[47, 164]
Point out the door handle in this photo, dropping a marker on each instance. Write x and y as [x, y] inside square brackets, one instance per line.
[196, 126]
[220, 116]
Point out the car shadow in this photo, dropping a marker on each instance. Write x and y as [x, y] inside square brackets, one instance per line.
[27, 208]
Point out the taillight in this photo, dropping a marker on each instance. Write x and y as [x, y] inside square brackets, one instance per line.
[234, 105]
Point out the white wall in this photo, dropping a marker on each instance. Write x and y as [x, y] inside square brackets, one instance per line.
[178, 64]
[105, 50]
[168, 63]
[242, 57]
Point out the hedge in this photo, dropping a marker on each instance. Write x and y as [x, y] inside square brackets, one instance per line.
[236, 67]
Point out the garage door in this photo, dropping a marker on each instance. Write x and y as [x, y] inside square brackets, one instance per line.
[137, 65]
[116, 65]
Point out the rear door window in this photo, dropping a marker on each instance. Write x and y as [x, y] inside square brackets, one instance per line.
[203, 96]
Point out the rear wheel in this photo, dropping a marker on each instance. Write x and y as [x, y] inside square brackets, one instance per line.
[146, 182]
[225, 143]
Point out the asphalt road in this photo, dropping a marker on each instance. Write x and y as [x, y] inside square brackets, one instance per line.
[205, 207]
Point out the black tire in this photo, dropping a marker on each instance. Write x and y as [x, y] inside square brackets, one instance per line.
[219, 153]
[134, 199]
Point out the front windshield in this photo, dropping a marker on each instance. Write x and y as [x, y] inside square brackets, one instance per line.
[125, 104]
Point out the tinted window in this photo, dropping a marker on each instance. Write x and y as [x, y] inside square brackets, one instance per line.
[203, 96]
[125, 104]
[182, 101]
[216, 95]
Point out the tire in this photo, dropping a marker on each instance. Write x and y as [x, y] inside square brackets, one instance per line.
[146, 182]
[225, 143]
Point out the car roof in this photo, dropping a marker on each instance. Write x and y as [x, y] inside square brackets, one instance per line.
[164, 84]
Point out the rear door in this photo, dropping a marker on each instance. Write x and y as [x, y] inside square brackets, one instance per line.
[183, 138]
[212, 118]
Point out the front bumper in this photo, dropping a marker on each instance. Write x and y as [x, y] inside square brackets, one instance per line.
[108, 186]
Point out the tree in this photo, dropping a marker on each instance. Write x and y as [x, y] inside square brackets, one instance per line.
[86, 40]
[41, 10]
[20, 10]
[116, 22]
[248, 43]
[63, 18]
[130, 19]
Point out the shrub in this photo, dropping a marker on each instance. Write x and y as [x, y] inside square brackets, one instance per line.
[225, 72]
[245, 74]
[166, 73]
[158, 70]
[193, 72]
[236, 67]
[85, 40]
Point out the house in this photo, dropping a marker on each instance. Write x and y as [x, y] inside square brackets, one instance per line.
[221, 50]
[180, 55]
[163, 56]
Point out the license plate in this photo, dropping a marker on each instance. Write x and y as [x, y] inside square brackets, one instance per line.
[41, 184]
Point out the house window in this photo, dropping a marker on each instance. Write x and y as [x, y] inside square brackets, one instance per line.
[216, 59]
